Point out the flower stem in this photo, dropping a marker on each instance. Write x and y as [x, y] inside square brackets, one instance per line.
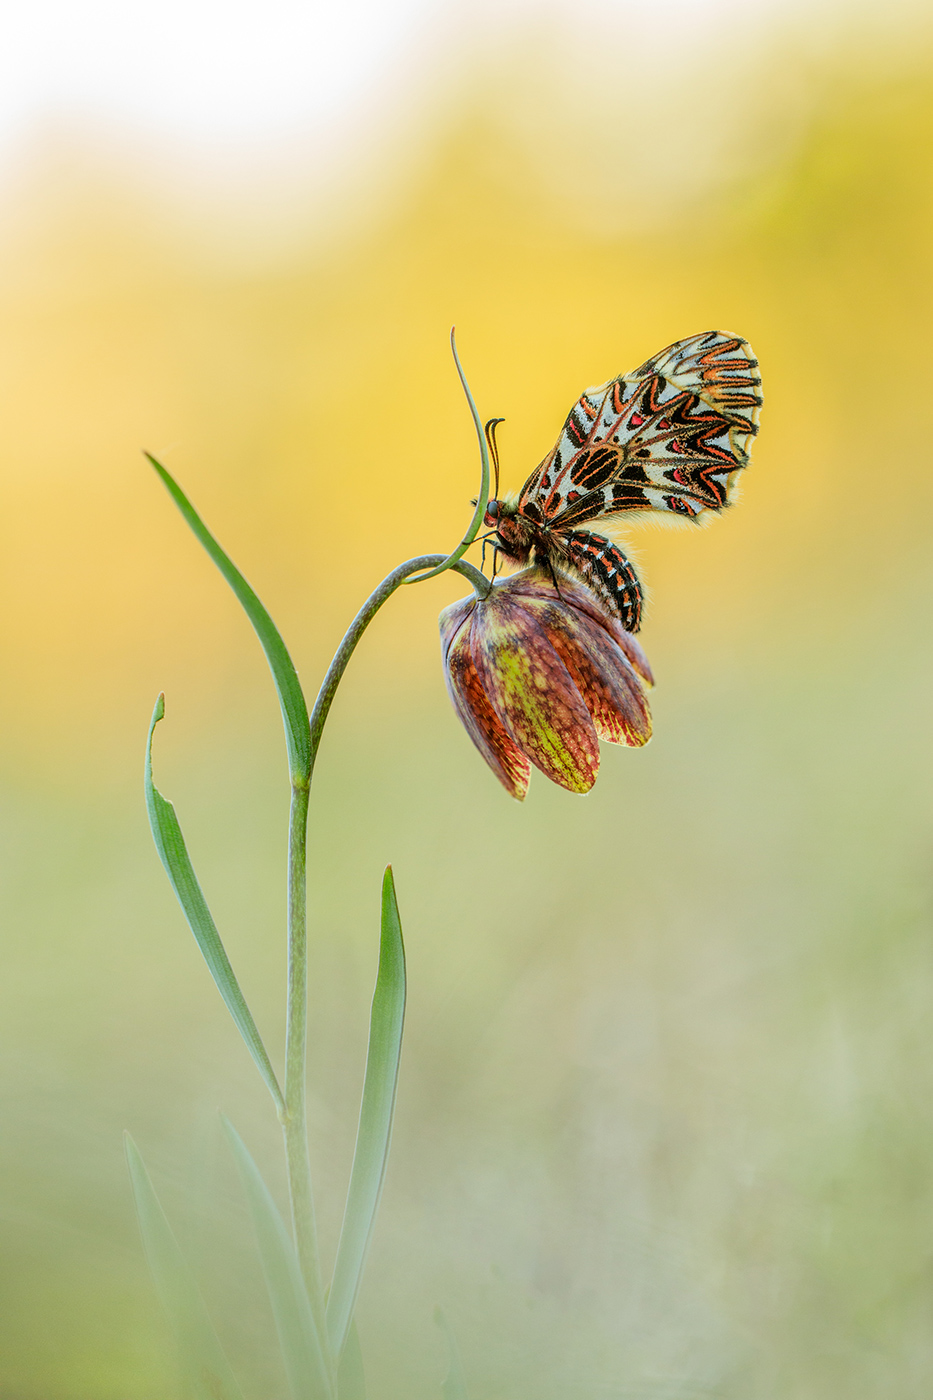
[365, 616]
[295, 1117]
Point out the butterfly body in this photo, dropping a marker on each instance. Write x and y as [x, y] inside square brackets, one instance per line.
[671, 436]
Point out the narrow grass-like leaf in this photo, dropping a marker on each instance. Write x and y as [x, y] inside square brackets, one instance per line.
[375, 1126]
[287, 685]
[454, 1386]
[302, 1348]
[205, 1368]
[170, 843]
[483, 498]
[351, 1381]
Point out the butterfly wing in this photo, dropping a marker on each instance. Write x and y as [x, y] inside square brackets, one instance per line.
[671, 436]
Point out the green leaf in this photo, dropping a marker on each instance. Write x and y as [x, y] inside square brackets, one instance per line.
[287, 685]
[170, 844]
[302, 1348]
[375, 1126]
[454, 1387]
[351, 1382]
[205, 1368]
[483, 498]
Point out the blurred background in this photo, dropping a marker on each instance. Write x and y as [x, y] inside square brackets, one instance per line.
[665, 1125]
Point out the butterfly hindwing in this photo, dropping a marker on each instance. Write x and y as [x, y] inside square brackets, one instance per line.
[670, 436]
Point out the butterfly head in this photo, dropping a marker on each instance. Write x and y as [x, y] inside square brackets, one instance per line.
[500, 511]
[514, 534]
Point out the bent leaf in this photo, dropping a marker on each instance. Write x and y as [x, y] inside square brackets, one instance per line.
[170, 844]
[302, 1347]
[205, 1368]
[287, 685]
[375, 1126]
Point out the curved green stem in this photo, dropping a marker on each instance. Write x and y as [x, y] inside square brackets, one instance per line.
[482, 499]
[295, 1117]
[365, 616]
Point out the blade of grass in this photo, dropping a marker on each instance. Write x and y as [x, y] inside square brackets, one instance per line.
[454, 1386]
[302, 1347]
[292, 1108]
[287, 685]
[205, 1368]
[351, 1381]
[170, 843]
[375, 1126]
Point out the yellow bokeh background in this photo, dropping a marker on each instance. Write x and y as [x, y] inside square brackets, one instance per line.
[664, 1123]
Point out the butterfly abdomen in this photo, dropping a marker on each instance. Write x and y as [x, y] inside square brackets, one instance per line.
[605, 569]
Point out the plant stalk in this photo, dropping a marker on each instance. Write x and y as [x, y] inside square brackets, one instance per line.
[295, 1117]
[365, 616]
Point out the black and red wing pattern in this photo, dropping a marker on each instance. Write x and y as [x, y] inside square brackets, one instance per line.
[671, 436]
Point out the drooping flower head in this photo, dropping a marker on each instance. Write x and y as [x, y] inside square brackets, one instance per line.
[540, 675]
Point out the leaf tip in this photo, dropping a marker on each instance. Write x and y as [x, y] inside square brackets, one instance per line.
[231, 1134]
[131, 1152]
[158, 712]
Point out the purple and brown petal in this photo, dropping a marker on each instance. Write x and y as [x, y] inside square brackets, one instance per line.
[534, 696]
[481, 722]
[603, 674]
[539, 674]
[536, 584]
[472, 705]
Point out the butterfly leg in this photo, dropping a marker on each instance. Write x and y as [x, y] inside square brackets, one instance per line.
[544, 557]
[484, 541]
[607, 572]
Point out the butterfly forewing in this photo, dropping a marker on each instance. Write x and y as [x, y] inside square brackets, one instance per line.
[670, 436]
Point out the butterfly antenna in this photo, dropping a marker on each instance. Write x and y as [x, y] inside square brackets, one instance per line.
[490, 431]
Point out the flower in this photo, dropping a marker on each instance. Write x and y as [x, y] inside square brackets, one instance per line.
[539, 674]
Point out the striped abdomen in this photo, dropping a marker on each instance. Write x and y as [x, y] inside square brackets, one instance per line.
[605, 570]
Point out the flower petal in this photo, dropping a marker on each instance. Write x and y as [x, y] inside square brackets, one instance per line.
[533, 693]
[452, 619]
[536, 583]
[472, 705]
[601, 671]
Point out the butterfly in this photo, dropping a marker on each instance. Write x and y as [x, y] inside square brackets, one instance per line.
[672, 435]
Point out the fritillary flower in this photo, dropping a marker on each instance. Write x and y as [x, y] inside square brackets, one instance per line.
[539, 674]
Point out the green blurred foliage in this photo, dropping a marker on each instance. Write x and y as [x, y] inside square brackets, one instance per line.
[664, 1118]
